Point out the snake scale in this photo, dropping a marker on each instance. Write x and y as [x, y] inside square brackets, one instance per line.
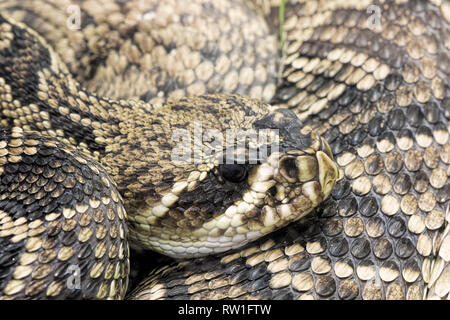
[353, 205]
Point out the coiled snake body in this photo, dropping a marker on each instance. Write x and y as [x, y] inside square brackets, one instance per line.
[81, 174]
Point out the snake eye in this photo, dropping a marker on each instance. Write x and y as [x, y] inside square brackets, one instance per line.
[233, 172]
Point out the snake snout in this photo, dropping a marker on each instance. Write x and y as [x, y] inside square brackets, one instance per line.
[304, 178]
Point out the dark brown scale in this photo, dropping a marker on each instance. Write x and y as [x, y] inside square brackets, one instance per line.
[402, 183]
[348, 207]
[376, 126]
[397, 227]
[357, 137]
[339, 17]
[338, 146]
[316, 84]
[332, 227]
[348, 289]
[382, 248]
[338, 247]
[374, 164]
[446, 107]
[360, 248]
[412, 265]
[325, 286]
[393, 81]
[392, 266]
[443, 195]
[300, 262]
[396, 119]
[368, 206]
[393, 162]
[387, 136]
[377, 227]
[404, 248]
[421, 182]
[351, 36]
[424, 131]
[432, 112]
[375, 93]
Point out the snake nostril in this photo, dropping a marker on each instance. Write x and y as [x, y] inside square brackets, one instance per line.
[289, 168]
[272, 191]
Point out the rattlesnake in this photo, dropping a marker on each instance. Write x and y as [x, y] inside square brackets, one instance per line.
[376, 92]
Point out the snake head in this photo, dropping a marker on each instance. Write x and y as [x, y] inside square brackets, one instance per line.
[291, 181]
[248, 187]
[302, 159]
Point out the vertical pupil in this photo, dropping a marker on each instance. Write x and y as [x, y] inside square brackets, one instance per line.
[233, 172]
